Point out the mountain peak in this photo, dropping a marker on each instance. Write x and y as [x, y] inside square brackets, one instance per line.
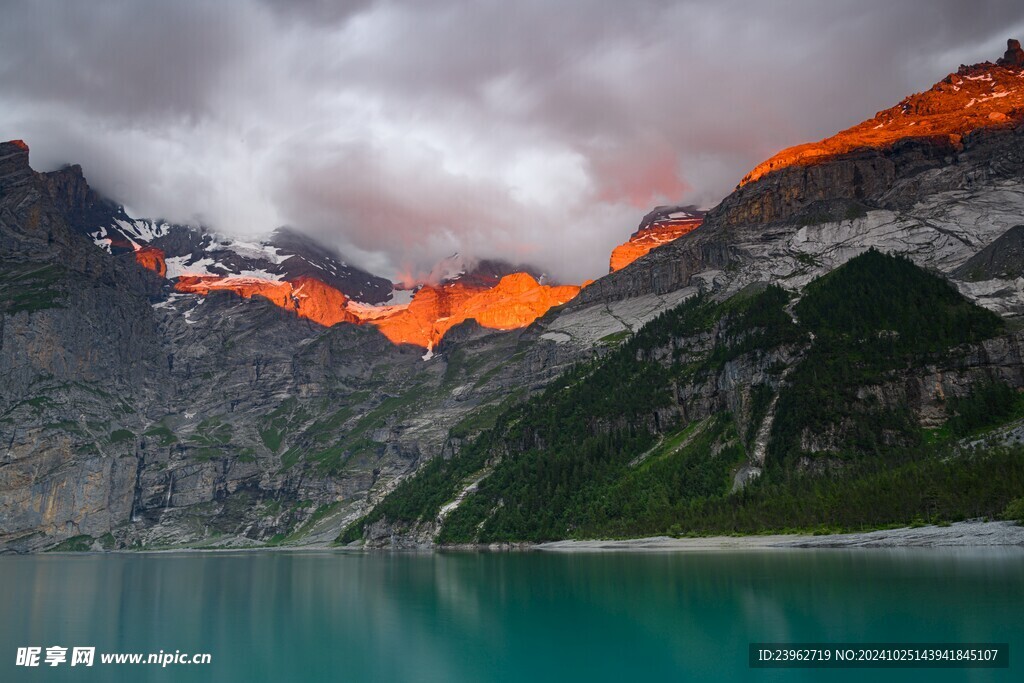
[976, 97]
[1013, 56]
[14, 168]
[14, 152]
[661, 225]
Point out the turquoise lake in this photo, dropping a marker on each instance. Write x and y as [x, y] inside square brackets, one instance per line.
[335, 616]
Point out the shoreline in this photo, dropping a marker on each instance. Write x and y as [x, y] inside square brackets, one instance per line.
[968, 534]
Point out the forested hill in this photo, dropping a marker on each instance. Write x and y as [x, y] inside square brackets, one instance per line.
[847, 408]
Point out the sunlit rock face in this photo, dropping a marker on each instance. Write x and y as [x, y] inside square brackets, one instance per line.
[981, 96]
[320, 302]
[424, 318]
[515, 301]
[662, 225]
[153, 259]
[307, 297]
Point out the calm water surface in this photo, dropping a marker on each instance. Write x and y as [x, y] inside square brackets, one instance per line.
[534, 617]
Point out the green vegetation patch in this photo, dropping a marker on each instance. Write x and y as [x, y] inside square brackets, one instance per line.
[122, 436]
[615, 337]
[290, 457]
[921, 485]
[162, 433]
[307, 526]
[30, 287]
[484, 417]
[989, 404]
[574, 442]
[1014, 511]
[871, 317]
[326, 442]
[352, 533]
[76, 544]
[212, 432]
[283, 420]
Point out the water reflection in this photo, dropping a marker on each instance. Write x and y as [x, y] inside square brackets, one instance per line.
[502, 617]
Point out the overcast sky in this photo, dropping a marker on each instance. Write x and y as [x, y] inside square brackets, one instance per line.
[535, 130]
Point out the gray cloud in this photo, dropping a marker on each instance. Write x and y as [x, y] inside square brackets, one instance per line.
[404, 131]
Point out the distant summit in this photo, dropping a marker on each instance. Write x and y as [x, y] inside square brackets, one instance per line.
[661, 225]
[979, 96]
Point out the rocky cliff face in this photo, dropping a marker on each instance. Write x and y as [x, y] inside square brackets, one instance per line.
[131, 414]
[173, 250]
[301, 275]
[77, 337]
[514, 302]
[137, 415]
[950, 204]
[934, 198]
[974, 98]
[305, 296]
[662, 225]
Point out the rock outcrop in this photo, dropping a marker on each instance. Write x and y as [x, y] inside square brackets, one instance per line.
[936, 198]
[662, 225]
[974, 98]
[1014, 56]
[514, 302]
[306, 297]
[153, 259]
[78, 337]
[1003, 259]
[136, 415]
[192, 250]
[301, 275]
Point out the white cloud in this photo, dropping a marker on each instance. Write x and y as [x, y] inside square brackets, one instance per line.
[407, 130]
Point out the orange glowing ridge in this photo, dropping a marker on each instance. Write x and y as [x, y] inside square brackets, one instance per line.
[305, 296]
[515, 301]
[650, 237]
[153, 259]
[980, 96]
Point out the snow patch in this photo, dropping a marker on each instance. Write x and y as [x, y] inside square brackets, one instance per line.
[143, 231]
[170, 301]
[180, 265]
[250, 250]
[371, 312]
[994, 96]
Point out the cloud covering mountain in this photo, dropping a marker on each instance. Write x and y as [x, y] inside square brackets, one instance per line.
[405, 131]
